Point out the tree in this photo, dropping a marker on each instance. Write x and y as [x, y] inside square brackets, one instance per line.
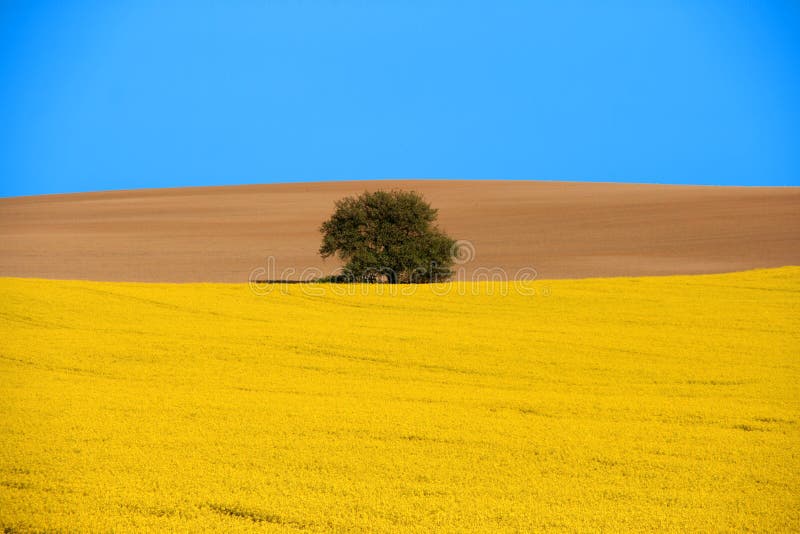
[388, 235]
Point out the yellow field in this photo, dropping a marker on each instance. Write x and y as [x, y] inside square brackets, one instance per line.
[623, 404]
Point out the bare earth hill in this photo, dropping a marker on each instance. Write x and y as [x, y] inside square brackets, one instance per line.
[561, 229]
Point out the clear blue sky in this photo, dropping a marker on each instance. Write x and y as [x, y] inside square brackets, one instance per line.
[128, 94]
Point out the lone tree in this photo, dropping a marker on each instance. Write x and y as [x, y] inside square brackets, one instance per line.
[388, 235]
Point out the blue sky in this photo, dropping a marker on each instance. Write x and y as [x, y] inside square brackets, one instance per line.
[129, 94]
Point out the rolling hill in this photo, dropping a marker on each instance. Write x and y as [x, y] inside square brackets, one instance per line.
[561, 229]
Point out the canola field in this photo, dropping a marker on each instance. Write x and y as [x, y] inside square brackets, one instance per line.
[640, 404]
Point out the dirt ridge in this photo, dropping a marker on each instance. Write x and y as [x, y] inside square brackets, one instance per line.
[560, 229]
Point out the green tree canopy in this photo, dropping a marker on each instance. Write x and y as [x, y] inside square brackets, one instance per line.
[388, 235]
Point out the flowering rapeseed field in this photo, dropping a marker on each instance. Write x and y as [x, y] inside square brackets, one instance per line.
[667, 403]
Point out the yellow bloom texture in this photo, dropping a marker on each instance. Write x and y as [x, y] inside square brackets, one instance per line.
[628, 404]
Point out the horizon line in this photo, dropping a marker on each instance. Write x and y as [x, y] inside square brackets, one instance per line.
[399, 179]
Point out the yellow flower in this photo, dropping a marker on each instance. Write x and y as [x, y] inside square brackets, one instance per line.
[640, 404]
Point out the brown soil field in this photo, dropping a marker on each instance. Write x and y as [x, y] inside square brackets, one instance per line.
[561, 229]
